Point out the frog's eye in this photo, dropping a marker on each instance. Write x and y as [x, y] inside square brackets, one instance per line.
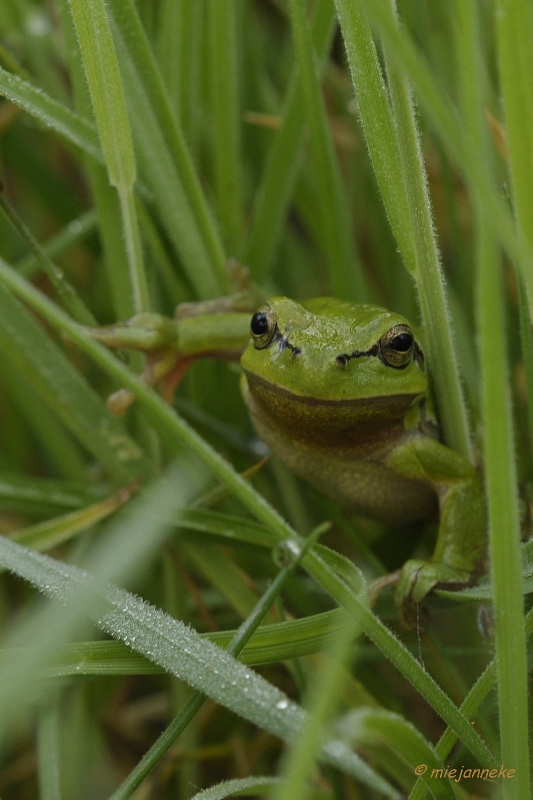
[397, 346]
[263, 326]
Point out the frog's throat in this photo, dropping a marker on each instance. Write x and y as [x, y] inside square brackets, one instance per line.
[328, 422]
[349, 469]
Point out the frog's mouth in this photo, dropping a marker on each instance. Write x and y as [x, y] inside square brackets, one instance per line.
[332, 415]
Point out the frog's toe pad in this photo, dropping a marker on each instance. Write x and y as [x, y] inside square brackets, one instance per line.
[417, 579]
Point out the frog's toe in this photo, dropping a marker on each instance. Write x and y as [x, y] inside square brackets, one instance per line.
[417, 579]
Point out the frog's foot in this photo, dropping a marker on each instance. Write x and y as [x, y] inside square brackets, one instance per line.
[417, 579]
[165, 368]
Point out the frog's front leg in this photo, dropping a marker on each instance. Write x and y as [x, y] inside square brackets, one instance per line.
[459, 555]
[172, 345]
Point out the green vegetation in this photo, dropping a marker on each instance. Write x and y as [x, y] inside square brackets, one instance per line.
[142, 147]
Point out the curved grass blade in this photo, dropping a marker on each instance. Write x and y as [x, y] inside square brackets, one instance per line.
[237, 787]
[272, 643]
[470, 705]
[69, 297]
[371, 729]
[175, 647]
[74, 232]
[51, 113]
[45, 496]
[49, 534]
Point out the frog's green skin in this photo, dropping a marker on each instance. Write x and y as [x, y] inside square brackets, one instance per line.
[336, 400]
[325, 398]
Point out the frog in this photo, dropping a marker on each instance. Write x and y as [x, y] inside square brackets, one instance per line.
[339, 392]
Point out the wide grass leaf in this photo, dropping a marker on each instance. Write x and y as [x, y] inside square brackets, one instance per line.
[237, 787]
[178, 649]
[44, 496]
[371, 728]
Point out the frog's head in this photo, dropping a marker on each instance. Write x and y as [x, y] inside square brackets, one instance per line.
[331, 366]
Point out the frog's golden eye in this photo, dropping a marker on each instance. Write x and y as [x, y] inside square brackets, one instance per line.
[263, 326]
[397, 346]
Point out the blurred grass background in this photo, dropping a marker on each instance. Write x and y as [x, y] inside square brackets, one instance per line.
[168, 138]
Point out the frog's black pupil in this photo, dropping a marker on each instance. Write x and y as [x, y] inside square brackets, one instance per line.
[259, 323]
[402, 342]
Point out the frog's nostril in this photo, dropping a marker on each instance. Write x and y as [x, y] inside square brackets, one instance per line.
[342, 360]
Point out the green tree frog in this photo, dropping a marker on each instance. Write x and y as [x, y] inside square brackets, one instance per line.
[339, 393]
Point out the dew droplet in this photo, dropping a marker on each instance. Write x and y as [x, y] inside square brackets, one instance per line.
[286, 553]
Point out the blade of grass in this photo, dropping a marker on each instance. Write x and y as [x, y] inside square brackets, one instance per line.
[179, 49]
[430, 283]
[369, 728]
[105, 85]
[347, 279]
[105, 196]
[51, 113]
[68, 394]
[177, 648]
[236, 787]
[394, 145]
[271, 643]
[48, 748]
[378, 124]
[176, 186]
[110, 230]
[443, 117]
[64, 453]
[49, 534]
[514, 28]
[44, 495]
[12, 65]
[175, 289]
[226, 115]
[231, 527]
[470, 705]
[279, 176]
[71, 300]
[73, 233]
[323, 700]
[504, 522]
[500, 458]
[174, 428]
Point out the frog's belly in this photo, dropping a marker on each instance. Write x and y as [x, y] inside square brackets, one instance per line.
[362, 485]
